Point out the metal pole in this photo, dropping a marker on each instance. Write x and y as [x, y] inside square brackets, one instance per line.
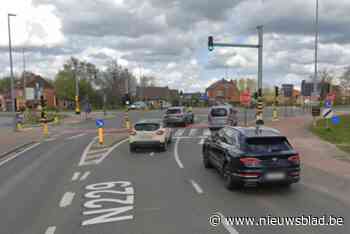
[12, 78]
[77, 105]
[314, 89]
[24, 78]
[260, 56]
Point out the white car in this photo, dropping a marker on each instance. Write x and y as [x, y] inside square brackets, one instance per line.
[150, 133]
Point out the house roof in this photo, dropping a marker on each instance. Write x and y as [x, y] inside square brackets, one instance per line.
[222, 81]
[32, 79]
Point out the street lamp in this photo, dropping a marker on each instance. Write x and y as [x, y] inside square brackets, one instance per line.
[11, 70]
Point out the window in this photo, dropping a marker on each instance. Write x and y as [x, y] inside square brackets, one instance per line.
[147, 127]
[173, 111]
[267, 145]
[218, 112]
[231, 136]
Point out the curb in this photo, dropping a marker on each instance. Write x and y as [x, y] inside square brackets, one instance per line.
[16, 148]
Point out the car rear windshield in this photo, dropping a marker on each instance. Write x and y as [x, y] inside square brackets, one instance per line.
[267, 145]
[217, 112]
[173, 111]
[147, 127]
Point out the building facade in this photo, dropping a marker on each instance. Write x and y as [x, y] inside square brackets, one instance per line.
[223, 91]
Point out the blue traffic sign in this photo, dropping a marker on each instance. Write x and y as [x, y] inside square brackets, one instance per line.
[335, 120]
[328, 104]
[204, 97]
[100, 123]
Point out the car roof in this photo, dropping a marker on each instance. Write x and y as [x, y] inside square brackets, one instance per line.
[263, 132]
[221, 106]
[175, 107]
[144, 121]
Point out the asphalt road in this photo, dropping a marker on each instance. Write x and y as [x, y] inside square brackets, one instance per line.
[46, 190]
[5, 122]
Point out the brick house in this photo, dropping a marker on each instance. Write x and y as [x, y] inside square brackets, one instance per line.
[35, 87]
[223, 91]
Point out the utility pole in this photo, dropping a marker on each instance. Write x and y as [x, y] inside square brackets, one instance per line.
[13, 95]
[314, 89]
[24, 78]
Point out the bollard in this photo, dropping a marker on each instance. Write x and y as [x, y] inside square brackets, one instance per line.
[45, 129]
[274, 114]
[101, 135]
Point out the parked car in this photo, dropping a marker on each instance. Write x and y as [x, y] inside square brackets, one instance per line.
[149, 133]
[222, 115]
[250, 156]
[178, 115]
[137, 106]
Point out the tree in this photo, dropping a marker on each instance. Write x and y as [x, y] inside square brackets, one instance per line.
[5, 84]
[326, 75]
[242, 84]
[147, 81]
[251, 84]
[345, 79]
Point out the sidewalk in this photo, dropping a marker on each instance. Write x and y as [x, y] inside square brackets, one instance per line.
[314, 152]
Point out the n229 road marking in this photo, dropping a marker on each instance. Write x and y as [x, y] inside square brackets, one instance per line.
[95, 193]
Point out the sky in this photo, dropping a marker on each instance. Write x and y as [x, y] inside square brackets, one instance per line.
[168, 38]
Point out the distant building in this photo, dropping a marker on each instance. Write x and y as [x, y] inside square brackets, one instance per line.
[223, 91]
[2, 103]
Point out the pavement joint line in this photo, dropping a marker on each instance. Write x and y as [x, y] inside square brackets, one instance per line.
[196, 186]
[15, 149]
[76, 136]
[75, 176]
[85, 175]
[18, 154]
[227, 226]
[50, 230]
[67, 199]
[176, 154]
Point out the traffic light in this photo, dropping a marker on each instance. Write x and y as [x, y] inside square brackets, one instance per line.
[276, 91]
[255, 95]
[210, 43]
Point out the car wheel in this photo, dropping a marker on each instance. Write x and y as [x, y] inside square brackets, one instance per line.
[206, 161]
[132, 148]
[230, 183]
[164, 147]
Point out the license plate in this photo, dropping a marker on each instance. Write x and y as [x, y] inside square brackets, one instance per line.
[275, 176]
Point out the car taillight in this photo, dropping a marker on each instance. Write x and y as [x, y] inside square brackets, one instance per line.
[250, 162]
[132, 132]
[294, 159]
[160, 132]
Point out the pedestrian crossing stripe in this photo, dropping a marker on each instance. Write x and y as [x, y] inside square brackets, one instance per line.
[193, 132]
[179, 132]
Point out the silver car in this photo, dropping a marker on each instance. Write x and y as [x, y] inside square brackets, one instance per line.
[178, 115]
[219, 116]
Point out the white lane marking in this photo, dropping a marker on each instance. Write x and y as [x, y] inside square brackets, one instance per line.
[50, 139]
[86, 151]
[86, 174]
[75, 176]
[201, 142]
[176, 154]
[196, 186]
[18, 154]
[179, 132]
[111, 149]
[189, 137]
[50, 230]
[206, 132]
[227, 226]
[76, 136]
[67, 199]
[151, 154]
[98, 151]
[193, 132]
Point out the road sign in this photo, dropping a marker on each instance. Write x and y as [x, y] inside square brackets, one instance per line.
[335, 120]
[287, 90]
[328, 103]
[245, 98]
[204, 97]
[99, 123]
[327, 113]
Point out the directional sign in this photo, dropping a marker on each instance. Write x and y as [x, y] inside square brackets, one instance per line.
[335, 120]
[327, 113]
[100, 123]
[328, 103]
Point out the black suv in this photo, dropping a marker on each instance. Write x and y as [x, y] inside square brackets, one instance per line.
[251, 156]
